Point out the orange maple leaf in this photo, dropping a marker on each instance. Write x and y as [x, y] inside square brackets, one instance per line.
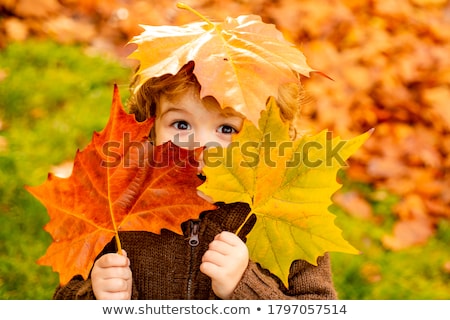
[120, 181]
[240, 62]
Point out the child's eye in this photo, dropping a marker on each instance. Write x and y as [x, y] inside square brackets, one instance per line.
[181, 125]
[226, 129]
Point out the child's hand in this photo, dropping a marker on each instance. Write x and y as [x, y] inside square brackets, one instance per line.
[111, 277]
[225, 262]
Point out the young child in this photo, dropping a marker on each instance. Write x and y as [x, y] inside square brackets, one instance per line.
[209, 261]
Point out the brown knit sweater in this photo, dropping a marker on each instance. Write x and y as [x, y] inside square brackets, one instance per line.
[167, 266]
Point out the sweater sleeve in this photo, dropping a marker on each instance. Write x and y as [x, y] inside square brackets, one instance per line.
[306, 282]
[79, 289]
[75, 289]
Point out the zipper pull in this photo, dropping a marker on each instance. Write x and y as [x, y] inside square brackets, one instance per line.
[193, 238]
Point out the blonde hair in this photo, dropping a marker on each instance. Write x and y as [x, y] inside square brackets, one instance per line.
[144, 101]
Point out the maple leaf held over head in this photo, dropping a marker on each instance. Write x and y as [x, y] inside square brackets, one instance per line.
[288, 185]
[120, 182]
[233, 59]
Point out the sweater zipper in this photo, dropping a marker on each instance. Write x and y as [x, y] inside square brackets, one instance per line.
[193, 242]
[193, 238]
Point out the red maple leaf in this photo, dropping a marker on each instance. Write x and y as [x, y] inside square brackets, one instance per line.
[120, 181]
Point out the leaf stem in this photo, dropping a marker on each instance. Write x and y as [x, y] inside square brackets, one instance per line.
[119, 246]
[182, 5]
[108, 175]
[243, 224]
[111, 212]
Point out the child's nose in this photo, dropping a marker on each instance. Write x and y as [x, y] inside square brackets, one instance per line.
[199, 158]
[205, 139]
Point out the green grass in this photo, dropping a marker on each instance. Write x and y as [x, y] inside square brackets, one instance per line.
[53, 97]
[416, 273]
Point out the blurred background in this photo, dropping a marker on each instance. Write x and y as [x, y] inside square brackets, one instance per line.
[390, 65]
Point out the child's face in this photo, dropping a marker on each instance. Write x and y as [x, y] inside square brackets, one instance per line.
[190, 122]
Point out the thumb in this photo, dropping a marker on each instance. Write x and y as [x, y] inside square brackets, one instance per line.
[122, 252]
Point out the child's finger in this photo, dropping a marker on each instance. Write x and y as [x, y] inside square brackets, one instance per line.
[123, 273]
[210, 269]
[221, 247]
[228, 237]
[113, 260]
[215, 258]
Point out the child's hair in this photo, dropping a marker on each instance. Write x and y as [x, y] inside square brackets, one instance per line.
[144, 102]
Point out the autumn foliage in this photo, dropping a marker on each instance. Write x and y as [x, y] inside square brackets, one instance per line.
[389, 61]
[123, 182]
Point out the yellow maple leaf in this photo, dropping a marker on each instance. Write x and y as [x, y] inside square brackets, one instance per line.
[233, 59]
[288, 185]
